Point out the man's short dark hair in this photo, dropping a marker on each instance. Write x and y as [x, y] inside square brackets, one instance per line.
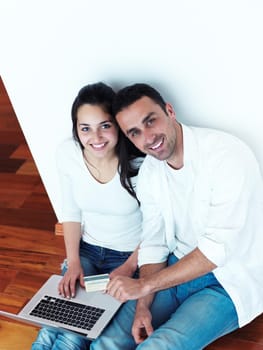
[130, 94]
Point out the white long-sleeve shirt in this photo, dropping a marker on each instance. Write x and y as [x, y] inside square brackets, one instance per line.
[109, 215]
[215, 203]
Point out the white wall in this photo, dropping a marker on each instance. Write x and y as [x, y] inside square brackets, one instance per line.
[205, 56]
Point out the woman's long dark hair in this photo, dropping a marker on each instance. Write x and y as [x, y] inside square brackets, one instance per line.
[102, 95]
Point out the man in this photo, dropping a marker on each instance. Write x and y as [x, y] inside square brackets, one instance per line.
[201, 196]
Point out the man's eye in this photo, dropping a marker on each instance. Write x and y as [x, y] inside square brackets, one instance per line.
[150, 122]
[134, 133]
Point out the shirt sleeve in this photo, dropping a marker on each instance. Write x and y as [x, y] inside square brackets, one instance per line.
[233, 185]
[70, 212]
[153, 248]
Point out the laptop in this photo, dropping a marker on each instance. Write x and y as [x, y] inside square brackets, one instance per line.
[86, 314]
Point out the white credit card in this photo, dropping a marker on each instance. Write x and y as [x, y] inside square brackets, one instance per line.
[96, 282]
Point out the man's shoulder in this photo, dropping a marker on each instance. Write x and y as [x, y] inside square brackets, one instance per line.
[220, 147]
[150, 163]
[215, 138]
[210, 132]
[150, 171]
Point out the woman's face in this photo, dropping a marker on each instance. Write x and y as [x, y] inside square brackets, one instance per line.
[97, 131]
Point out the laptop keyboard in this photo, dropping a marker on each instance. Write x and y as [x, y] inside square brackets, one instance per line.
[67, 312]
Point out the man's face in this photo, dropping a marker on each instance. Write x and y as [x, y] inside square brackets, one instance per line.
[149, 128]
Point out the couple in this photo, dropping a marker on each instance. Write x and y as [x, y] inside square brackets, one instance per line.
[201, 197]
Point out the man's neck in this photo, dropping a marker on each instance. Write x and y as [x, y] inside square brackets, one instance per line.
[177, 161]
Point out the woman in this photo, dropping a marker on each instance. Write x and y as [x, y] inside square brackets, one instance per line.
[100, 215]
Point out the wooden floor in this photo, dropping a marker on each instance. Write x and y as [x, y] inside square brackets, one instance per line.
[29, 249]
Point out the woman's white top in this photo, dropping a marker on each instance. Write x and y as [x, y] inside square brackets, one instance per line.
[109, 215]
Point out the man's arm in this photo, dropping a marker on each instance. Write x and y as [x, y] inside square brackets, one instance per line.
[191, 266]
[129, 267]
[154, 277]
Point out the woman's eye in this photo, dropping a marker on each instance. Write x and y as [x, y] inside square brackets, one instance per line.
[106, 126]
[85, 129]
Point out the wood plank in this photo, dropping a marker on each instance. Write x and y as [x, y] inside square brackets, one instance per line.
[6, 277]
[8, 120]
[20, 339]
[27, 168]
[10, 165]
[31, 240]
[6, 150]
[22, 152]
[227, 343]
[11, 137]
[26, 217]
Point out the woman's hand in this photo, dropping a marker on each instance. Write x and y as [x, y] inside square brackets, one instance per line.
[67, 285]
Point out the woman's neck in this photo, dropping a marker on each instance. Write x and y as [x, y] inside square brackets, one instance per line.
[102, 169]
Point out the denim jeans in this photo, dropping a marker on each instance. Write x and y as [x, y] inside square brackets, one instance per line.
[94, 260]
[186, 317]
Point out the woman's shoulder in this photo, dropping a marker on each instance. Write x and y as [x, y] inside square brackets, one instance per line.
[68, 146]
[68, 151]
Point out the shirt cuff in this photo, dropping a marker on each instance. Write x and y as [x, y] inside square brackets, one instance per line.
[214, 251]
[152, 255]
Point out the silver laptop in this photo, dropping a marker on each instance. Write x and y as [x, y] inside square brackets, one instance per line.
[86, 313]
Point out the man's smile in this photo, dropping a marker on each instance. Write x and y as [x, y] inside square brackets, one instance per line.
[156, 145]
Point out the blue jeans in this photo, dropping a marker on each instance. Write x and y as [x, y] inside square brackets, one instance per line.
[94, 260]
[186, 317]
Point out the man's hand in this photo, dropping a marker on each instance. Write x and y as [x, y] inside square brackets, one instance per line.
[125, 288]
[142, 326]
[67, 285]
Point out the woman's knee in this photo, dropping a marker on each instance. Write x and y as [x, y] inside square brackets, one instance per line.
[45, 340]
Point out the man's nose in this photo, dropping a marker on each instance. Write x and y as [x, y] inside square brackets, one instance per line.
[149, 137]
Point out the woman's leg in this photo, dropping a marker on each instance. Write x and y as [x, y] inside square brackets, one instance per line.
[45, 340]
[96, 260]
[53, 339]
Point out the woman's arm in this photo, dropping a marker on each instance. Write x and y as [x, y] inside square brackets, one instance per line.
[72, 236]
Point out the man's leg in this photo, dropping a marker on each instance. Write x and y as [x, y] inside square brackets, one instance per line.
[198, 321]
[117, 336]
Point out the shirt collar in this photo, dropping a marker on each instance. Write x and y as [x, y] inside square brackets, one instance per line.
[190, 146]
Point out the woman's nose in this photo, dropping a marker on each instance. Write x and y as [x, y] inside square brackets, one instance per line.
[96, 134]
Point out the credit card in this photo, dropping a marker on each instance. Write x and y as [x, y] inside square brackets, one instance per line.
[96, 282]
